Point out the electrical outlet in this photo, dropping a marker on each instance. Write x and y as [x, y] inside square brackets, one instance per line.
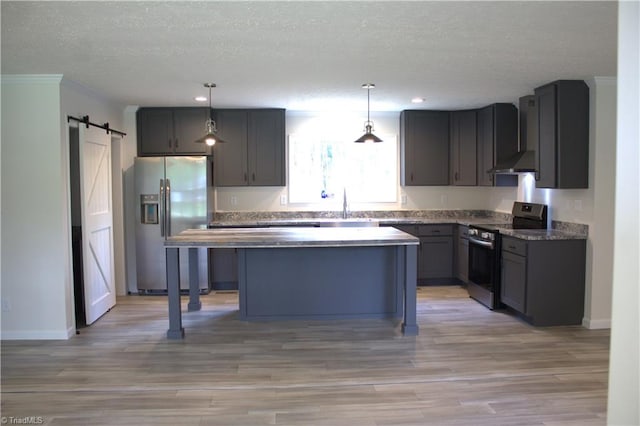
[283, 200]
[444, 199]
[234, 200]
[403, 199]
[6, 306]
[577, 204]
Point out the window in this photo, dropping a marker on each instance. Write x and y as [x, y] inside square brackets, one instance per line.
[322, 166]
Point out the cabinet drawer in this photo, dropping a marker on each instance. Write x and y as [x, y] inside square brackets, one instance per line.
[514, 245]
[434, 230]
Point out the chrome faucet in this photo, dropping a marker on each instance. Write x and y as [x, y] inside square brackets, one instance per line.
[344, 203]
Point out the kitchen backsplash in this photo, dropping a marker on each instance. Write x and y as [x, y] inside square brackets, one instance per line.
[372, 214]
[576, 228]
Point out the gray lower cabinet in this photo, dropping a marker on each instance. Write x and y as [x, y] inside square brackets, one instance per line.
[514, 280]
[544, 280]
[435, 255]
[462, 253]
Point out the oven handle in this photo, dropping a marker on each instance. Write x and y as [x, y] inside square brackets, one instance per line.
[488, 244]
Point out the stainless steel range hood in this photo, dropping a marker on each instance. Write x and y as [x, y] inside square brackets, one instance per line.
[524, 161]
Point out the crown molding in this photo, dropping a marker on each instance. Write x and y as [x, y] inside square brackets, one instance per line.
[31, 78]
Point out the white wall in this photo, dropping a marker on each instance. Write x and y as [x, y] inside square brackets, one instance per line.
[37, 283]
[35, 222]
[602, 177]
[624, 361]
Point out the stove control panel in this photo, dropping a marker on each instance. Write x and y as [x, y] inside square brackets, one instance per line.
[485, 235]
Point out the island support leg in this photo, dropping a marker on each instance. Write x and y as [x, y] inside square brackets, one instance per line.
[173, 291]
[409, 325]
[194, 281]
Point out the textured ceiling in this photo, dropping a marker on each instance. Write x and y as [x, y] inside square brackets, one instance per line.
[311, 55]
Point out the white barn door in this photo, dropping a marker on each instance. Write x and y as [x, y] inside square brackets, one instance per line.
[97, 222]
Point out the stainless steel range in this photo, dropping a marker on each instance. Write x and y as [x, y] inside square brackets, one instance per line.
[485, 246]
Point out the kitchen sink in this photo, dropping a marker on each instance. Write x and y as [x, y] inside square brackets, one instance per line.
[349, 223]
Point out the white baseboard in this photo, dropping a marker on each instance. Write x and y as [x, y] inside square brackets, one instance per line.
[38, 334]
[596, 324]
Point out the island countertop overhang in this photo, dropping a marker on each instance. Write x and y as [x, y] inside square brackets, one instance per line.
[292, 237]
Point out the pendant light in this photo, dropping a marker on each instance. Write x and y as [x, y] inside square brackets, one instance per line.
[368, 125]
[211, 138]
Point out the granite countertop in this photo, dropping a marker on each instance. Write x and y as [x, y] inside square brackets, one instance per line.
[560, 231]
[276, 237]
[326, 221]
[542, 234]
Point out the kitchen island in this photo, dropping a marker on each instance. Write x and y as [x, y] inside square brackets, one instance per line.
[307, 273]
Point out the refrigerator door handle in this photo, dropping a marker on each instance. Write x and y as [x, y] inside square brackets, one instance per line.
[162, 203]
[168, 204]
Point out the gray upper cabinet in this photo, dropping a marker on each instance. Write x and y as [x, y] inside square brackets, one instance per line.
[253, 154]
[562, 154]
[497, 142]
[424, 147]
[230, 158]
[463, 148]
[266, 143]
[171, 131]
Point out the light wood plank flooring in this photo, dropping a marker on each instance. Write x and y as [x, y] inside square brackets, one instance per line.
[468, 366]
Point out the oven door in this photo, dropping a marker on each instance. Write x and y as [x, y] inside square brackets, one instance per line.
[484, 272]
[482, 258]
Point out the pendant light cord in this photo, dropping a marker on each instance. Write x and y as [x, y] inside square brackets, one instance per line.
[368, 107]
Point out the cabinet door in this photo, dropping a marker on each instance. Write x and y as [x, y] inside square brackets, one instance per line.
[435, 257]
[463, 148]
[189, 125]
[485, 146]
[546, 151]
[266, 141]
[562, 156]
[230, 158]
[155, 131]
[514, 281]
[462, 254]
[424, 141]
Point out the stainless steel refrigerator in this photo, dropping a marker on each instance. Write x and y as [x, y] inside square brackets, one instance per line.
[171, 194]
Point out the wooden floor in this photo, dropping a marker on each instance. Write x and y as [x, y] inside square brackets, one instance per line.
[468, 366]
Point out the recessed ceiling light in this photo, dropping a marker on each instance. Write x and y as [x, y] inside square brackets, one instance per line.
[417, 100]
[201, 98]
